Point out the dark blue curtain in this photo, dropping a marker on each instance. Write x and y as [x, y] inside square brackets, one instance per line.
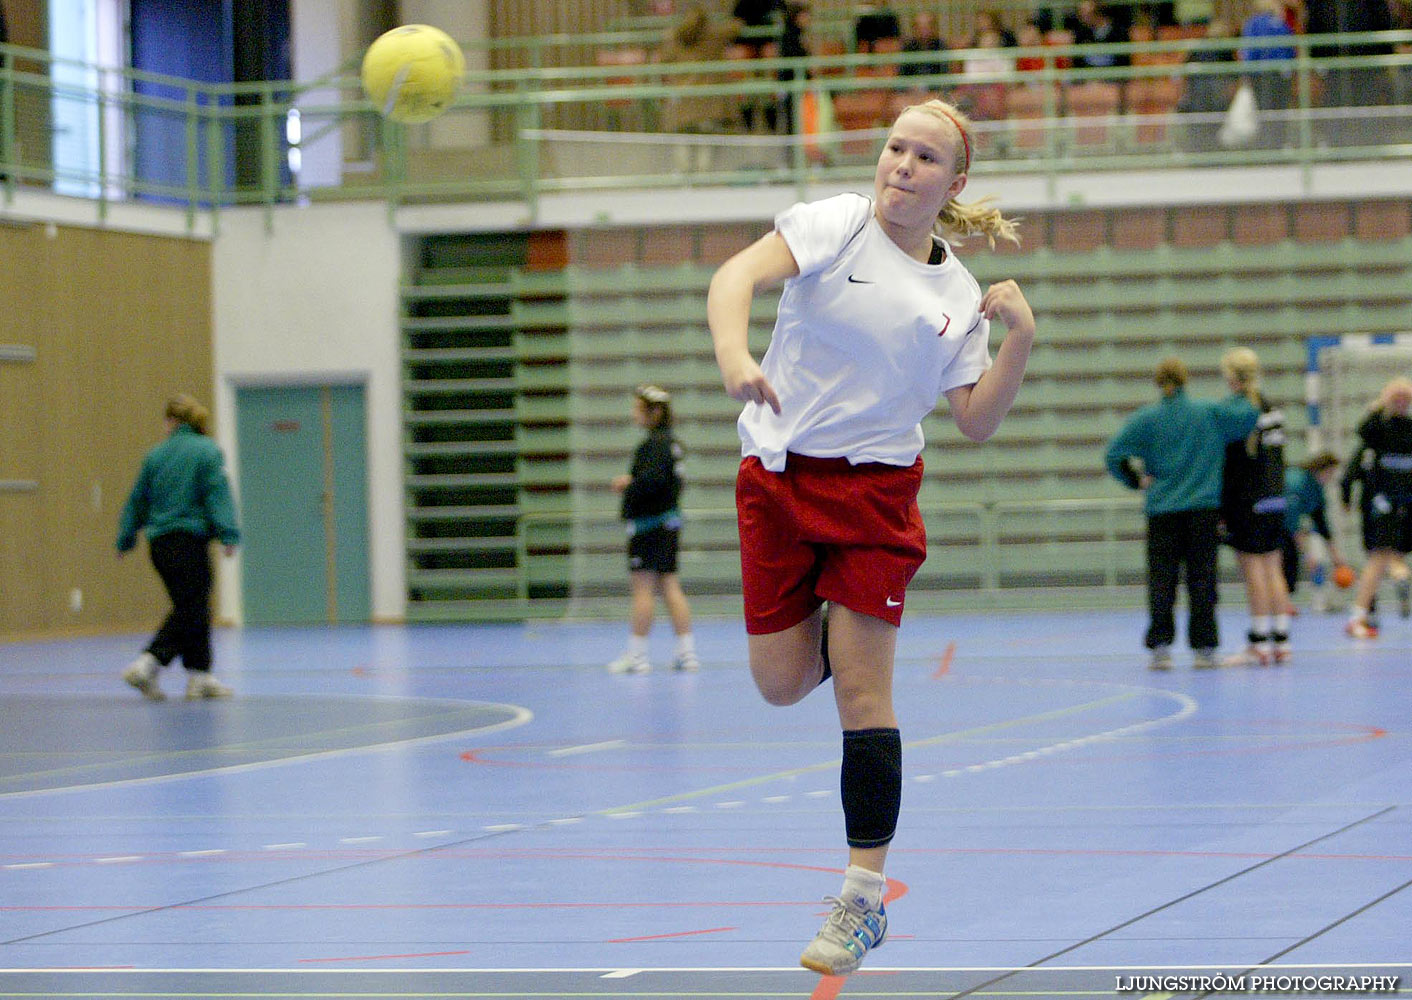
[214, 41]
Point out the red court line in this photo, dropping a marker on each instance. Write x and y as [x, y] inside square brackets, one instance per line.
[677, 934]
[944, 667]
[829, 988]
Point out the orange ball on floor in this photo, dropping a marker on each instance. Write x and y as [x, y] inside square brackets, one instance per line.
[1344, 577]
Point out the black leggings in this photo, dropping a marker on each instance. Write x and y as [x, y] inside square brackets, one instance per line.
[183, 561]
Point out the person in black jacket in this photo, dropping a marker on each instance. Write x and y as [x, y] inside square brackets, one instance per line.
[1382, 465]
[650, 493]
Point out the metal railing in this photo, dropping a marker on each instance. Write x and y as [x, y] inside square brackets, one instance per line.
[520, 135]
[979, 529]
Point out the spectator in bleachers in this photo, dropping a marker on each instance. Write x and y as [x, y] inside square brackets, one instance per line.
[924, 36]
[990, 23]
[876, 23]
[1208, 93]
[1294, 15]
[982, 98]
[1353, 86]
[1402, 76]
[757, 14]
[697, 39]
[1174, 451]
[1094, 24]
[756, 44]
[1272, 84]
[793, 45]
[1028, 37]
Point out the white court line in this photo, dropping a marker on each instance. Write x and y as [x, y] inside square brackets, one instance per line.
[520, 716]
[792, 970]
[587, 748]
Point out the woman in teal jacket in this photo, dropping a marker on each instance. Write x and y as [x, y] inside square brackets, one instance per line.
[181, 500]
[1175, 450]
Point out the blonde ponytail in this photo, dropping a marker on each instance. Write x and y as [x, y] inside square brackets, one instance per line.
[979, 218]
[185, 410]
[1241, 366]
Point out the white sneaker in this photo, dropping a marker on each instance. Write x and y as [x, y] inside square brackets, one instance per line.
[1161, 659]
[686, 663]
[141, 673]
[1251, 656]
[200, 684]
[630, 663]
[848, 934]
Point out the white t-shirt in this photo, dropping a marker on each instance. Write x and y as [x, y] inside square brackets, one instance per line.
[866, 341]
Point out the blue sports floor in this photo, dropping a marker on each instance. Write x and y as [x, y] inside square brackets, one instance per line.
[448, 811]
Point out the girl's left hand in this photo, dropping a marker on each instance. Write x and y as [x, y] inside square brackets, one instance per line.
[620, 483]
[1006, 301]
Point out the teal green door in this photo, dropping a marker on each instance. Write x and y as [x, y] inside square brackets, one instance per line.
[304, 507]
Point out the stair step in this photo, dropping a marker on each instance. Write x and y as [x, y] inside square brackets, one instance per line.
[454, 354]
[492, 543]
[425, 386]
[459, 290]
[444, 578]
[486, 512]
[460, 416]
[467, 479]
[443, 449]
[426, 324]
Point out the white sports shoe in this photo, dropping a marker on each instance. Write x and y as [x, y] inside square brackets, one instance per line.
[141, 673]
[630, 663]
[848, 934]
[200, 684]
[686, 663]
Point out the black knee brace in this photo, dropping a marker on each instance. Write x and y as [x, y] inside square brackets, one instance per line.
[871, 781]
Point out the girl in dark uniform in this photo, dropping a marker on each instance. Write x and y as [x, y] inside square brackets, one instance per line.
[1382, 464]
[1253, 509]
[650, 495]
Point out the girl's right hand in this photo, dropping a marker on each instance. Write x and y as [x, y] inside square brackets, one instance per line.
[745, 382]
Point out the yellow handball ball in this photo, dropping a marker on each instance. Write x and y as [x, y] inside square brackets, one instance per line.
[411, 73]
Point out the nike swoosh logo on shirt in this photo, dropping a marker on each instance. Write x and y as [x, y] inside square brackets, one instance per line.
[860, 281]
[891, 603]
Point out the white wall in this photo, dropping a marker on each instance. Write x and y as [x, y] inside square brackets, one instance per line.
[313, 297]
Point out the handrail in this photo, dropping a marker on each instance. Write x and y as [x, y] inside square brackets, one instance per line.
[529, 107]
[989, 516]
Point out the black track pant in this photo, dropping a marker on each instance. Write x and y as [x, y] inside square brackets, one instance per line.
[1184, 539]
[183, 562]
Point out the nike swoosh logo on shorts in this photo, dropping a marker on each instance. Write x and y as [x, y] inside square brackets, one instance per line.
[860, 281]
[892, 603]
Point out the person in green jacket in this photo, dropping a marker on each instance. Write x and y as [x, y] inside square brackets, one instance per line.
[1175, 450]
[181, 500]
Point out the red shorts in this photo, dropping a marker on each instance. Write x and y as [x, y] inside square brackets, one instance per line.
[825, 530]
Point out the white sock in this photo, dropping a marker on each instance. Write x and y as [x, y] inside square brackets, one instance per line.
[1282, 624]
[863, 887]
[1260, 624]
[686, 643]
[637, 645]
[1357, 614]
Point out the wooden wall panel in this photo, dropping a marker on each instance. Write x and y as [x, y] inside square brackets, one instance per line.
[121, 323]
